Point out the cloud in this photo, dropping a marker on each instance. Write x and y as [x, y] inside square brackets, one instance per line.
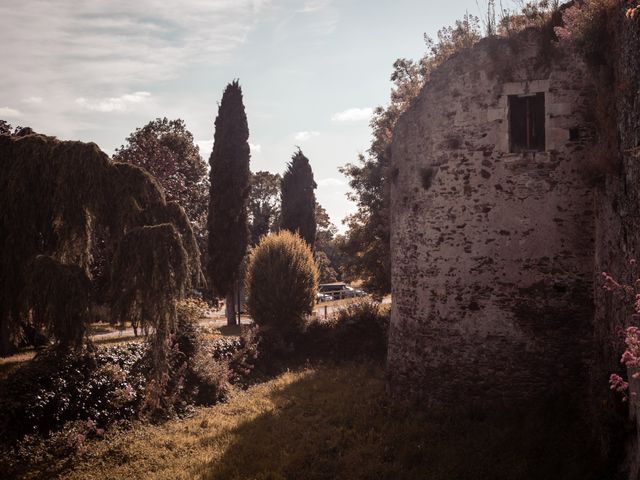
[33, 100]
[113, 104]
[304, 136]
[315, 6]
[331, 182]
[6, 112]
[352, 115]
[65, 50]
[255, 149]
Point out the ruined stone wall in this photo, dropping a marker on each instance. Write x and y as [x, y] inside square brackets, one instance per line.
[618, 227]
[492, 252]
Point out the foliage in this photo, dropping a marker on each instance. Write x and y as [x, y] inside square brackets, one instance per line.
[366, 244]
[631, 355]
[588, 26]
[264, 204]
[166, 149]
[54, 197]
[57, 296]
[110, 384]
[326, 272]
[327, 252]
[150, 274]
[6, 128]
[229, 176]
[359, 330]
[57, 386]
[531, 14]
[298, 199]
[282, 281]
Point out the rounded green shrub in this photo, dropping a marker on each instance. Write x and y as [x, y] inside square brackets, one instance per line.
[282, 281]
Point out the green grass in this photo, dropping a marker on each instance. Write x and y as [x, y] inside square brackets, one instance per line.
[331, 422]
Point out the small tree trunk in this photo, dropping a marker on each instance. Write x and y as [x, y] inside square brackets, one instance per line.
[5, 341]
[231, 306]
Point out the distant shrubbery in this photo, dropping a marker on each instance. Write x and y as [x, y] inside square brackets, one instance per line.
[358, 331]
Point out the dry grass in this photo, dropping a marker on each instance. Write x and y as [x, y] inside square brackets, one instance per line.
[10, 363]
[328, 423]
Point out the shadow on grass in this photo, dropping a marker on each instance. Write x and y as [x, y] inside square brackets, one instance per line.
[337, 423]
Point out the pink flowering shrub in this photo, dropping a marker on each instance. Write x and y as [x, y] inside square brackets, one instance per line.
[631, 356]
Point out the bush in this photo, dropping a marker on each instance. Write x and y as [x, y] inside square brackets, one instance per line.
[56, 387]
[103, 385]
[358, 331]
[282, 282]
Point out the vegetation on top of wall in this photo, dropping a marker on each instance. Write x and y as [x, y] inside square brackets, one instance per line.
[590, 27]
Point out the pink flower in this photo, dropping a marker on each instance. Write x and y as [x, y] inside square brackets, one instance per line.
[617, 384]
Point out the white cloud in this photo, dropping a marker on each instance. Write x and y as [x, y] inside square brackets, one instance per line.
[113, 104]
[97, 50]
[331, 182]
[304, 136]
[315, 6]
[7, 112]
[255, 149]
[352, 115]
[33, 100]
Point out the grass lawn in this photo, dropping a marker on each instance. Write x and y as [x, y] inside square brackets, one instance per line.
[328, 422]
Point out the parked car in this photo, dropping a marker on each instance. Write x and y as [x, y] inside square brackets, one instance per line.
[323, 297]
[339, 290]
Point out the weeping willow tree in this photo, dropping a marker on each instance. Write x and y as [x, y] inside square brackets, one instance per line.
[54, 196]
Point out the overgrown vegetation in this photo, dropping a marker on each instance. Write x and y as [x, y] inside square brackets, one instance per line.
[111, 384]
[590, 28]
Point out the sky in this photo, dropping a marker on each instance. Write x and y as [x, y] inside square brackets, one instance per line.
[311, 71]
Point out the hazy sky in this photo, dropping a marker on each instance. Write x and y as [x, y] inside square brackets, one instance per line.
[311, 71]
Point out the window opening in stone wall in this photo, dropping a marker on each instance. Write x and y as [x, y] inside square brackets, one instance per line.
[526, 122]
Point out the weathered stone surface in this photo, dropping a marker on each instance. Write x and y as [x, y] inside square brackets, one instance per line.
[618, 227]
[492, 251]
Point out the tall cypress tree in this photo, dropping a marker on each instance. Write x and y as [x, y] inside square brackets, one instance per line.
[298, 199]
[228, 196]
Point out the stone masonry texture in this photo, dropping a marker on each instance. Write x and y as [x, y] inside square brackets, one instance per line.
[493, 252]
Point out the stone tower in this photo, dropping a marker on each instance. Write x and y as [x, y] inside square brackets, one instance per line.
[493, 227]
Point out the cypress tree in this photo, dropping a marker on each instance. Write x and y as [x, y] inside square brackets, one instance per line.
[298, 199]
[228, 196]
